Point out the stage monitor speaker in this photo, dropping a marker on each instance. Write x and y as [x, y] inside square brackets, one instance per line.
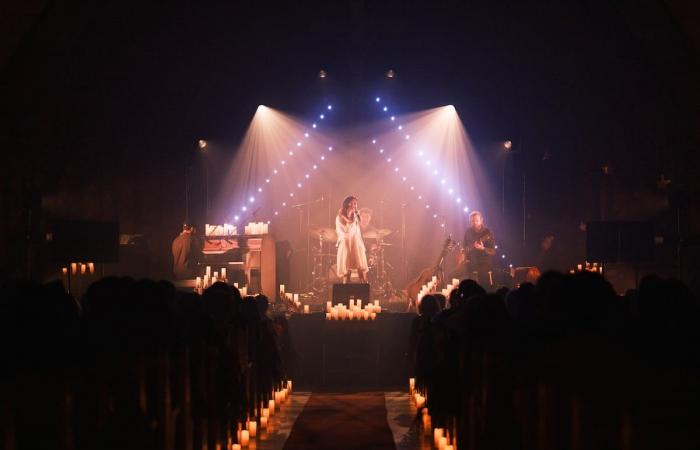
[343, 292]
[620, 241]
[84, 241]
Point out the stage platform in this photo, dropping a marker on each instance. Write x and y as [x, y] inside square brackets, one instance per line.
[332, 355]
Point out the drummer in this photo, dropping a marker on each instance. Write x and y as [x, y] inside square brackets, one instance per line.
[368, 231]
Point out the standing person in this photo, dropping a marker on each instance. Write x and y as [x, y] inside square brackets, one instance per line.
[479, 248]
[185, 250]
[351, 249]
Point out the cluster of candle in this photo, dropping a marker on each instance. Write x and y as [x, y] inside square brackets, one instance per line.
[293, 299]
[209, 278]
[441, 437]
[85, 268]
[353, 312]
[256, 228]
[589, 267]
[249, 430]
[431, 287]
[220, 230]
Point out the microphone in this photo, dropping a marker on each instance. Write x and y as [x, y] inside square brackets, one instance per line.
[357, 216]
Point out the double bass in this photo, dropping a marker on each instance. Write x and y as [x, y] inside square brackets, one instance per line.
[414, 287]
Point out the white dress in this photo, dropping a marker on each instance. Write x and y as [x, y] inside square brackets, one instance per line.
[351, 248]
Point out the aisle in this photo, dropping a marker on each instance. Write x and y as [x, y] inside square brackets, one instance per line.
[342, 421]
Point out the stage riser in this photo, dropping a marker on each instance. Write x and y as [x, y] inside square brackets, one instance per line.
[350, 354]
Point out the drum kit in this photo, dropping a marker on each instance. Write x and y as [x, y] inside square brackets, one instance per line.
[323, 254]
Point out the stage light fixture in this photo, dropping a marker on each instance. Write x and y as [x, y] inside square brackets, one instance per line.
[313, 126]
[306, 176]
[393, 118]
[243, 208]
[322, 157]
[408, 136]
[306, 135]
[508, 145]
[267, 180]
[322, 74]
[466, 209]
[413, 188]
[259, 189]
[315, 166]
[202, 144]
[330, 107]
[381, 150]
[298, 144]
[388, 160]
[459, 200]
[283, 162]
[322, 116]
[427, 206]
[299, 185]
[274, 171]
[251, 199]
[291, 153]
[374, 141]
[390, 73]
[276, 213]
[385, 109]
[377, 99]
[236, 218]
[400, 127]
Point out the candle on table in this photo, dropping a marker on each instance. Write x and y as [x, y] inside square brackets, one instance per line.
[91, 268]
[306, 309]
[328, 316]
[365, 315]
[373, 315]
[83, 269]
[289, 385]
[223, 273]
[245, 438]
[73, 268]
[411, 384]
[208, 271]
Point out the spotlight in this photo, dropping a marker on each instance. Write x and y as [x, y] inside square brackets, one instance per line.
[261, 108]
[381, 150]
[251, 199]
[377, 99]
[508, 145]
[503, 256]
[315, 167]
[393, 118]
[298, 144]
[291, 194]
[306, 135]
[330, 149]
[202, 144]
[459, 200]
[466, 209]
[284, 203]
[413, 187]
[291, 153]
[275, 171]
[427, 163]
[420, 153]
[434, 216]
[267, 180]
[390, 73]
[306, 176]
[385, 109]
[396, 169]
[276, 213]
[408, 136]
[236, 218]
[330, 107]
[403, 179]
[442, 181]
[322, 116]
[299, 185]
[259, 189]
[244, 208]
[283, 162]
[450, 191]
[435, 172]
[313, 126]
[388, 160]
[374, 141]
[427, 206]
[420, 197]
[323, 157]
[400, 127]
[322, 74]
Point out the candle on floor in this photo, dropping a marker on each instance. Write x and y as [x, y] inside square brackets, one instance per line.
[223, 273]
[328, 316]
[289, 385]
[373, 315]
[245, 438]
[443, 443]
[263, 423]
[265, 412]
[271, 407]
[253, 428]
[449, 447]
[282, 289]
[73, 268]
[437, 435]
[91, 268]
[329, 306]
[208, 271]
[411, 384]
[296, 297]
[83, 269]
[236, 447]
[64, 271]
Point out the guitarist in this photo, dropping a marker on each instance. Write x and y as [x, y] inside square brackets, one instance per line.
[479, 248]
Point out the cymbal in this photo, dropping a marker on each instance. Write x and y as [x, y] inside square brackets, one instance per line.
[327, 234]
[377, 233]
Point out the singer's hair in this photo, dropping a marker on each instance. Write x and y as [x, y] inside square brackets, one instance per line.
[475, 213]
[346, 204]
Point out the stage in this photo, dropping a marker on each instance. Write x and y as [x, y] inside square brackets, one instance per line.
[332, 354]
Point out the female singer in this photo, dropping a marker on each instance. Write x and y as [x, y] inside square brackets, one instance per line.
[351, 249]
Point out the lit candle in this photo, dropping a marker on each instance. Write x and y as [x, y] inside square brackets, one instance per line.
[236, 447]
[411, 384]
[271, 407]
[64, 271]
[91, 268]
[373, 315]
[223, 273]
[306, 309]
[263, 423]
[365, 315]
[265, 412]
[253, 428]
[289, 385]
[449, 447]
[296, 297]
[443, 443]
[328, 316]
[73, 268]
[352, 303]
[329, 305]
[437, 435]
[208, 271]
[281, 288]
[83, 269]
[245, 438]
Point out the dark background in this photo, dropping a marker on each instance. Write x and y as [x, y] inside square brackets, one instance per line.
[101, 106]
